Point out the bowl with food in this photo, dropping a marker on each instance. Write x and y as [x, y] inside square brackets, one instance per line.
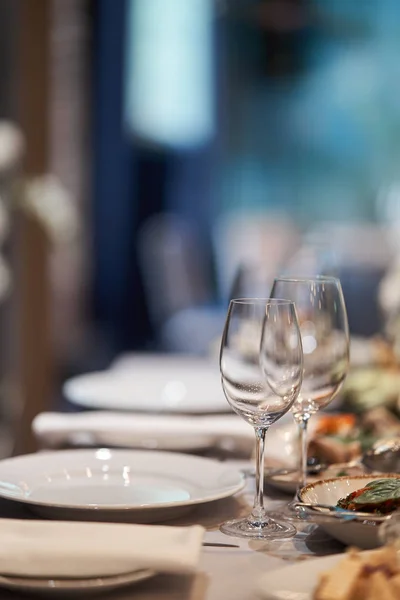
[370, 498]
[337, 442]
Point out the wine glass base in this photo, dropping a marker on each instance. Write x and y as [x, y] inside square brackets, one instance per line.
[270, 530]
[288, 513]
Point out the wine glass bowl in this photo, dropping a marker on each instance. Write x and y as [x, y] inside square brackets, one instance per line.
[281, 353]
[261, 363]
[324, 331]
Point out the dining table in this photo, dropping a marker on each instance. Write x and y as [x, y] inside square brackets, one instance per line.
[229, 567]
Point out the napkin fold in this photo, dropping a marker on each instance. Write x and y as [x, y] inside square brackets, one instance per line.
[53, 430]
[75, 550]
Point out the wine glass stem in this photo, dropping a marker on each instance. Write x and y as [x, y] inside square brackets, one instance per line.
[258, 512]
[303, 423]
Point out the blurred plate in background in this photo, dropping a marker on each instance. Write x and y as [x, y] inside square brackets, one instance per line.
[171, 384]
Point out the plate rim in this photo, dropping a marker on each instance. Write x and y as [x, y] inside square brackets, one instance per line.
[234, 489]
[95, 583]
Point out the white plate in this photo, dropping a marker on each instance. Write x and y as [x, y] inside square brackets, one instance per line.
[152, 384]
[296, 582]
[140, 486]
[287, 483]
[363, 534]
[282, 451]
[75, 587]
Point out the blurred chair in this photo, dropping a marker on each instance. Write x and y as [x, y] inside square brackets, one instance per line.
[359, 244]
[359, 254]
[34, 218]
[249, 243]
[25, 366]
[12, 148]
[178, 283]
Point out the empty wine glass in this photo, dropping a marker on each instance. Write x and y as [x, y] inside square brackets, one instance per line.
[261, 364]
[322, 318]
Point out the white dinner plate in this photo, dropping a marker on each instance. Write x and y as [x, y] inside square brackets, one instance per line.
[296, 582]
[166, 384]
[72, 587]
[135, 485]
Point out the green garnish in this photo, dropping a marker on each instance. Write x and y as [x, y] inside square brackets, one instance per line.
[380, 490]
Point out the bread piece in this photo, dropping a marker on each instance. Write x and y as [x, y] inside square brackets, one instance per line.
[361, 588]
[341, 582]
[321, 583]
[380, 422]
[395, 585]
[361, 585]
[379, 588]
[384, 557]
[331, 450]
[362, 576]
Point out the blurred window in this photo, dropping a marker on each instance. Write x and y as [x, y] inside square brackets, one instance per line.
[169, 77]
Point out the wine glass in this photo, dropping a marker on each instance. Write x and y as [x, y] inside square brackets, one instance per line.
[261, 364]
[322, 318]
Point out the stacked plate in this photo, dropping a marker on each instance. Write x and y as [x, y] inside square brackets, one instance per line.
[73, 587]
[110, 485]
[134, 484]
[126, 485]
[115, 485]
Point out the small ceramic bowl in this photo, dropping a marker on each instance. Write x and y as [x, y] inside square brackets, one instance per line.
[363, 534]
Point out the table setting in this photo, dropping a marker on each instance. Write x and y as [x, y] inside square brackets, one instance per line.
[179, 477]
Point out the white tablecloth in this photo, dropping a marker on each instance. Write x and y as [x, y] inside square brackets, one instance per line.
[224, 573]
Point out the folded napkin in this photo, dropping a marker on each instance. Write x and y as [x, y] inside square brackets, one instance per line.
[73, 549]
[142, 430]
